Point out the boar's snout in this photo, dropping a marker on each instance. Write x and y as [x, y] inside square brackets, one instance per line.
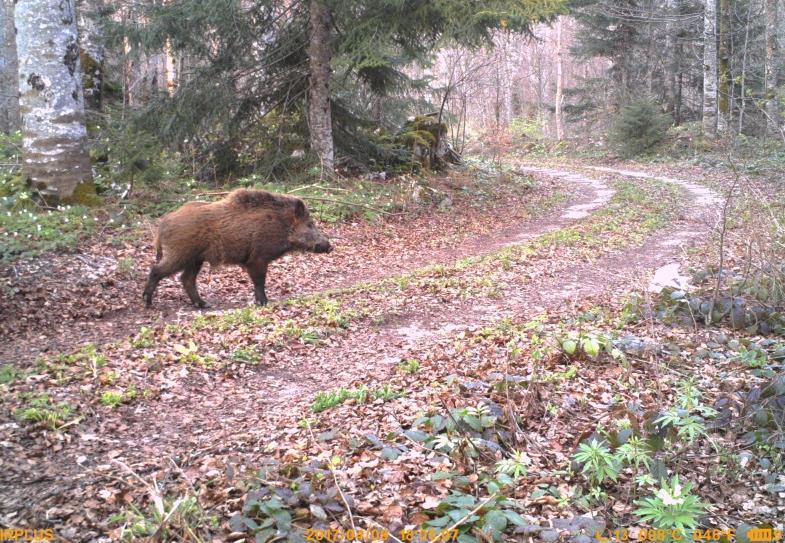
[322, 247]
[307, 237]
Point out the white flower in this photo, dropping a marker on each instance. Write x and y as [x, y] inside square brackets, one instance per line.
[668, 499]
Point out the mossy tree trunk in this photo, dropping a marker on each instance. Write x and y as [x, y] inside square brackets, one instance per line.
[319, 113]
[10, 121]
[92, 51]
[710, 69]
[55, 155]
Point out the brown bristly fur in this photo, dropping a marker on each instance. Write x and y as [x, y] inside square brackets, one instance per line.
[250, 228]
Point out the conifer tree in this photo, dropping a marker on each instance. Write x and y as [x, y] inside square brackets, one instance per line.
[361, 48]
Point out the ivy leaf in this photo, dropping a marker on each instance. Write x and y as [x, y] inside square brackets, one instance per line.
[474, 422]
[439, 522]
[496, 520]
[318, 511]
[569, 346]
[591, 346]
[390, 453]
[515, 518]
[416, 435]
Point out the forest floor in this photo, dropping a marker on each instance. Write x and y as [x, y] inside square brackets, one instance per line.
[394, 383]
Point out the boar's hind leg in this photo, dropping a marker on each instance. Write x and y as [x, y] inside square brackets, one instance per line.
[158, 272]
[258, 272]
[188, 279]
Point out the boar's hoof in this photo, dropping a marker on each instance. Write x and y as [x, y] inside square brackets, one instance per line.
[263, 301]
[200, 304]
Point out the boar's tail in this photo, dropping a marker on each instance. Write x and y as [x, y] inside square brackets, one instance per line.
[158, 251]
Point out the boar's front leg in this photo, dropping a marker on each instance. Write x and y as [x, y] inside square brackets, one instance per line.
[257, 270]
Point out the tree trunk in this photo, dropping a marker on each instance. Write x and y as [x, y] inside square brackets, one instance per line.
[559, 83]
[170, 69]
[319, 113]
[724, 77]
[770, 79]
[92, 52]
[669, 75]
[10, 120]
[743, 89]
[679, 91]
[710, 69]
[55, 156]
[377, 108]
[650, 61]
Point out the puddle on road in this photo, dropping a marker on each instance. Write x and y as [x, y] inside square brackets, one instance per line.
[413, 332]
[668, 276]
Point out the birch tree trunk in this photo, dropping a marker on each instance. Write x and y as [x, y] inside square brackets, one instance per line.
[724, 78]
[559, 83]
[55, 157]
[319, 114]
[771, 16]
[710, 68]
[10, 121]
[170, 69]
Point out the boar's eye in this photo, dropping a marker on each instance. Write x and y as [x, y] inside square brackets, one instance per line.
[310, 224]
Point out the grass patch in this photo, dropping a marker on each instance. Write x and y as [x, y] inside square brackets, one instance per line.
[247, 355]
[40, 408]
[27, 231]
[332, 398]
[114, 398]
[9, 373]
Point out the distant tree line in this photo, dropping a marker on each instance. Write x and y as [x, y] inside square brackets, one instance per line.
[717, 61]
[239, 83]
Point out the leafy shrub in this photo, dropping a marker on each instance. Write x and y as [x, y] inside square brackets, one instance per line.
[639, 127]
[673, 506]
[170, 519]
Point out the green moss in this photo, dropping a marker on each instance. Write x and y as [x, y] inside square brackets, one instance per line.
[429, 124]
[418, 137]
[89, 68]
[84, 194]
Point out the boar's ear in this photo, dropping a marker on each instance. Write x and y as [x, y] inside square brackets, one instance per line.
[299, 209]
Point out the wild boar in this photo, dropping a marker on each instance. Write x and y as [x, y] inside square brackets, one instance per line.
[250, 228]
